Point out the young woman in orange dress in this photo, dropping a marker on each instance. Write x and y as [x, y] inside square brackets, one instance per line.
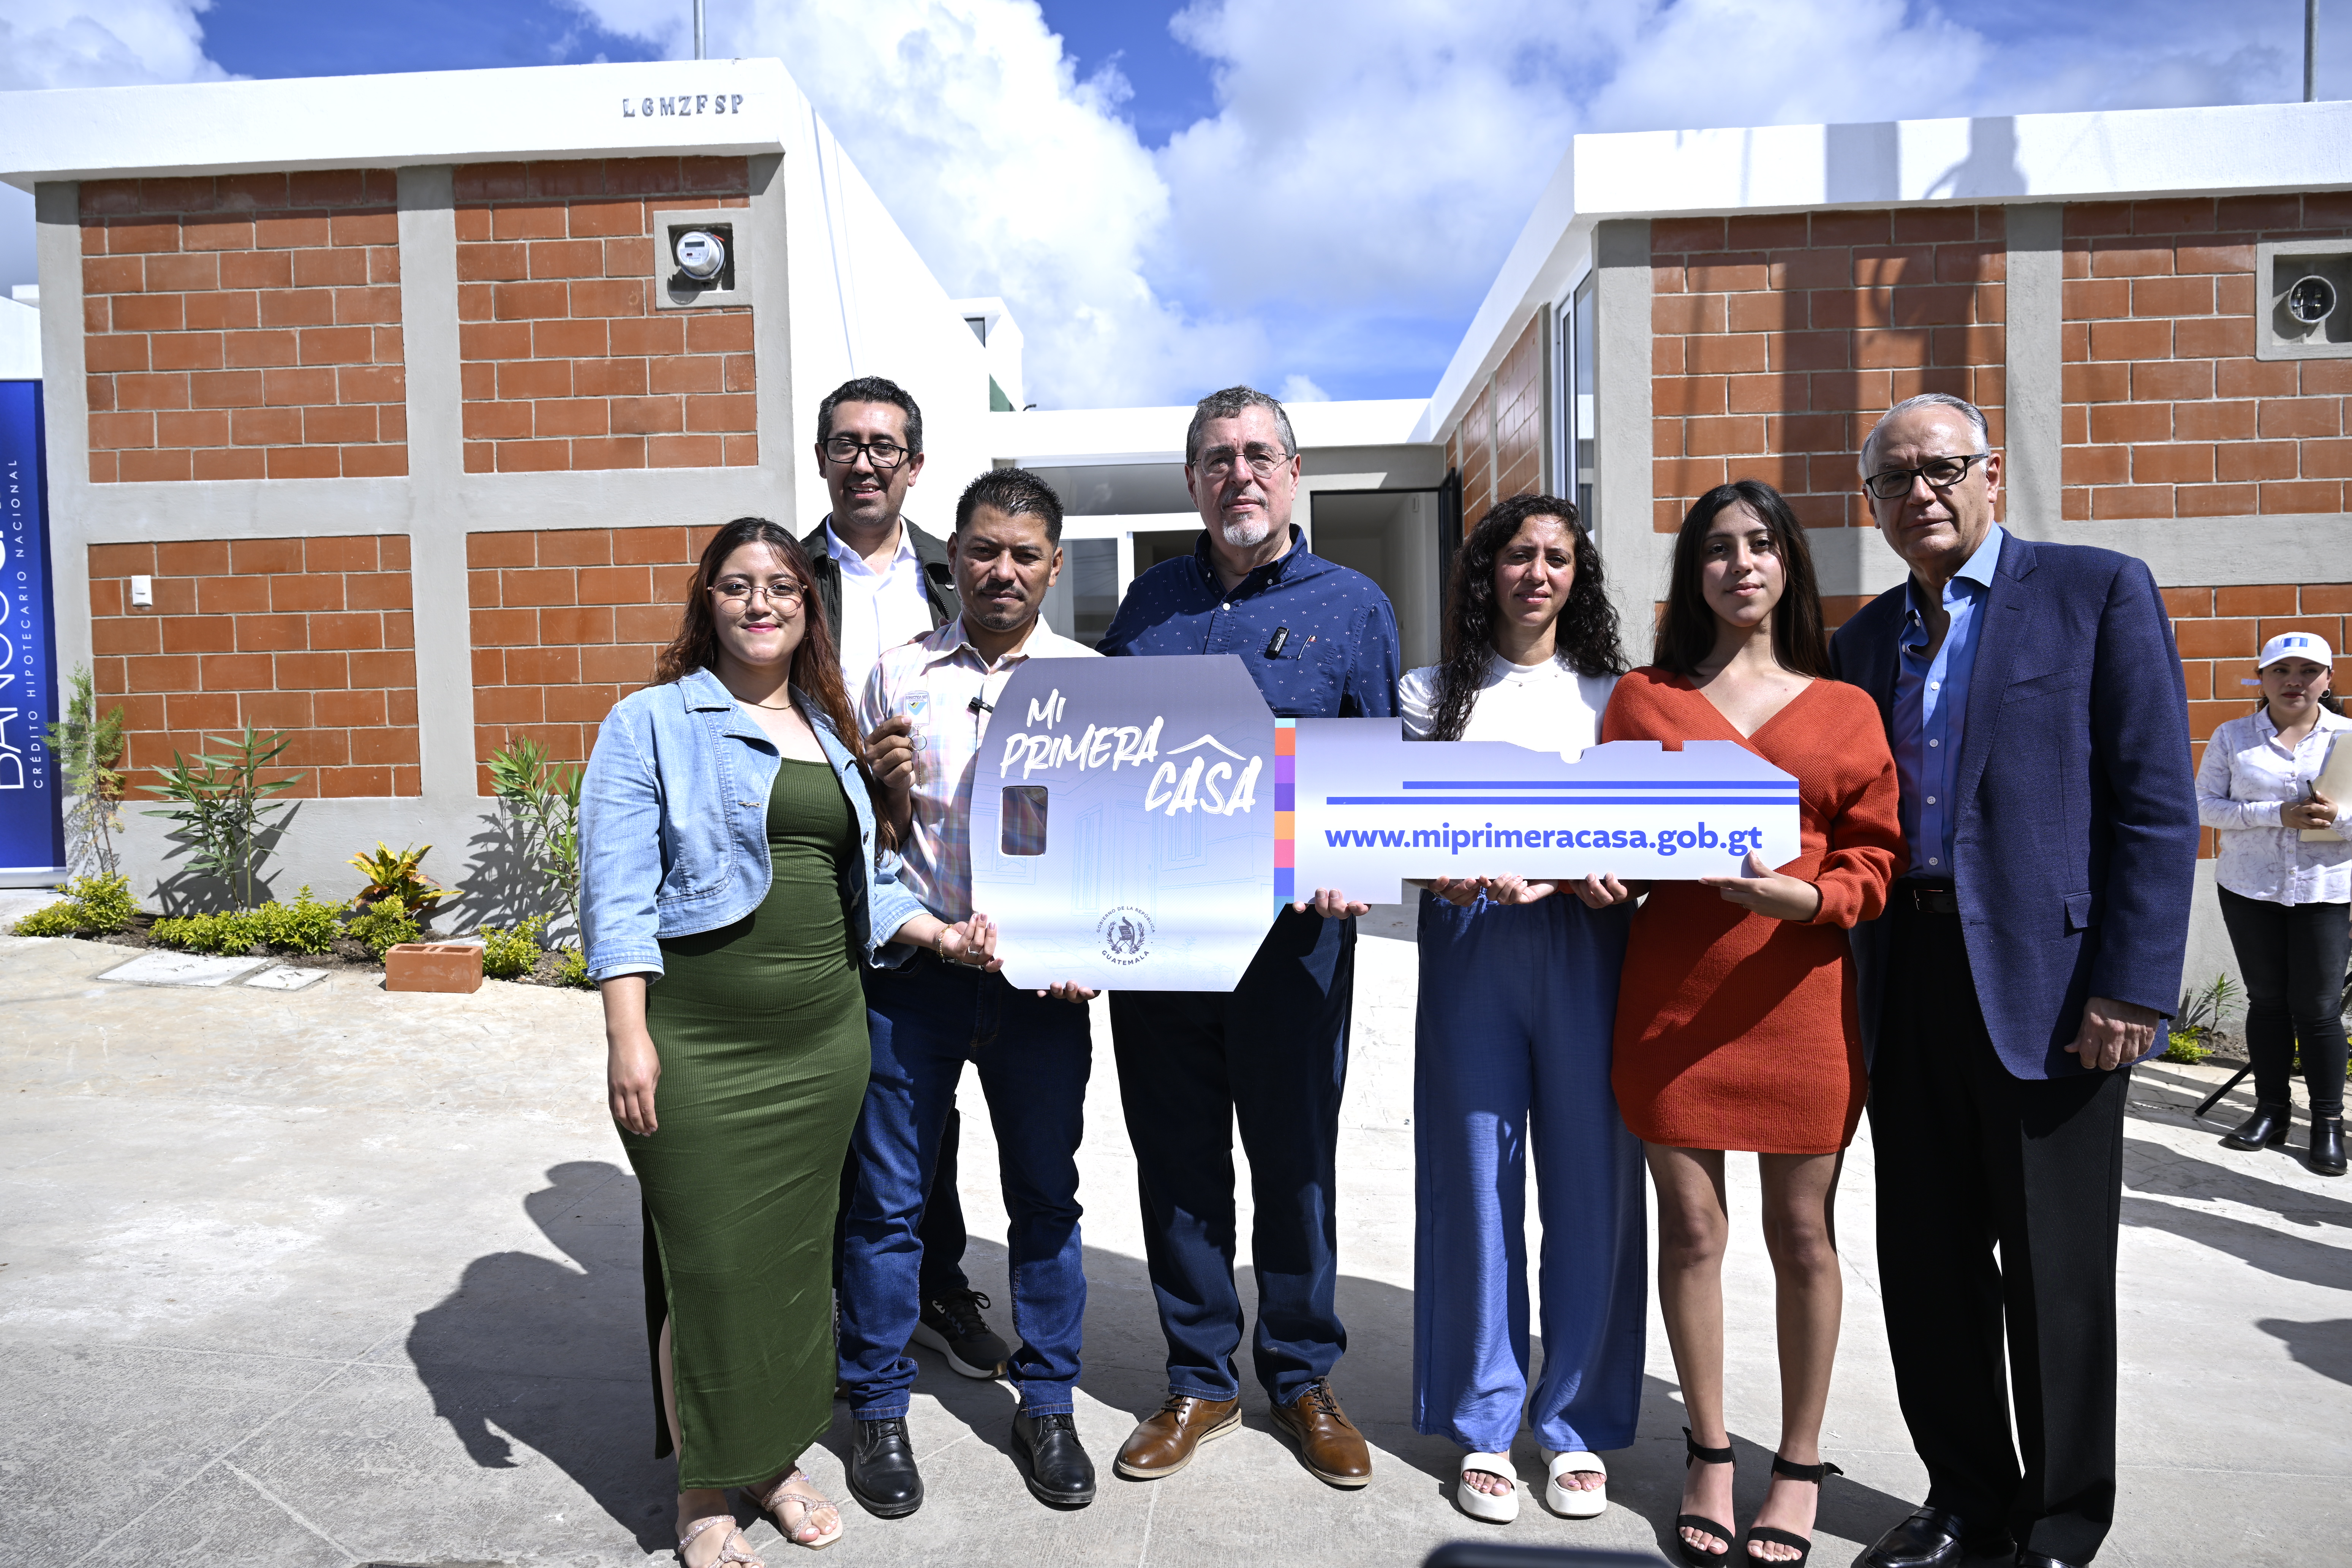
[1736, 1019]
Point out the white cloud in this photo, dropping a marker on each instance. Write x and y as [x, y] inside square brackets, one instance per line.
[1301, 389]
[103, 43]
[1012, 175]
[89, 43]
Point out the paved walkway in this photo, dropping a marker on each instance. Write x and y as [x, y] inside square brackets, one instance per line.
[343, 1277]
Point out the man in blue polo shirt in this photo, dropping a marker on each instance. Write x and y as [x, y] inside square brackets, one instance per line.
[1271, 1053]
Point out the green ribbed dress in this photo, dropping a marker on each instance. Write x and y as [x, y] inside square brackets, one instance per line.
[760, 1026]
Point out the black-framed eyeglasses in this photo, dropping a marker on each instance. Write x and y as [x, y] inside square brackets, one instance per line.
[1217, 462]
[884, 454]
[1941, 473]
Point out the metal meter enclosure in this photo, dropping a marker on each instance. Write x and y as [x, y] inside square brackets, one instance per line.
[701, 254]
[2311, 300]
[699, 259]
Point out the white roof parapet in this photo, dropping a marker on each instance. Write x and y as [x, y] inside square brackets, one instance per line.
[716, 108]
[2104, 155]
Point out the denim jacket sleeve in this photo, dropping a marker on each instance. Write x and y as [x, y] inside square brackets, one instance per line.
[620, 854]
[891, 906]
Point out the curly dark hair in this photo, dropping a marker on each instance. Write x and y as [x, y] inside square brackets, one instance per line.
[817, 668]
[1800, 639]
[1585, 633]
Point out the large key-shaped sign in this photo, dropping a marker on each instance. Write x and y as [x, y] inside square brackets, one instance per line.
[1134, 821]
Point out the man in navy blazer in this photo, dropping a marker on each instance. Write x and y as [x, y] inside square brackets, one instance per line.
[2033, 700]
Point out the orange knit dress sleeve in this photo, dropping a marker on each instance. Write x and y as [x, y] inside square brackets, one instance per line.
[1736, 1030]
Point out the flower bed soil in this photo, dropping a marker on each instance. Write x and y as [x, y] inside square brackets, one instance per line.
[347, 953]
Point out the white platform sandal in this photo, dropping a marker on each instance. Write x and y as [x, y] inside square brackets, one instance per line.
[1567, 1502]
[1492, 1508]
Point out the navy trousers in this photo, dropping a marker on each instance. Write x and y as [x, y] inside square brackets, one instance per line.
[1033, 1054]
[1271, 1055]
[1511, 1053]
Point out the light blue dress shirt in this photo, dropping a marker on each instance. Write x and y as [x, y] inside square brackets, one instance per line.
[1931, 705]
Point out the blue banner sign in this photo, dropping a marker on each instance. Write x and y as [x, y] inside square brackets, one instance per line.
[1134, 821]
[32, 821]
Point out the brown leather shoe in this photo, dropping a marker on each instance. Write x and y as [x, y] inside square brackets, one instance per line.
[1328, 1443]
[1163, 1442]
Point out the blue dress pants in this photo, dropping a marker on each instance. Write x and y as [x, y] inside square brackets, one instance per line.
[1033, 1054]
[1511, 1050]
[1271, 1055]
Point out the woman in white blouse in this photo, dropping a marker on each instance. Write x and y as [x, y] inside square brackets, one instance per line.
[2287, 900]
[1518, 992]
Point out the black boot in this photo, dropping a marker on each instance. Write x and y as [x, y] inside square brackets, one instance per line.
[882, 1474]
[2265, 1129]
[2327, 1146]
[1060, 1474]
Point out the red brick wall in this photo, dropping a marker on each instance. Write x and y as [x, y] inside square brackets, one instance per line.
[1519, 416]
[1779, 341]
[243, 327]
[1498, 446]
[311, 637]
[566, 623]
[2168, 412]
[566, 362]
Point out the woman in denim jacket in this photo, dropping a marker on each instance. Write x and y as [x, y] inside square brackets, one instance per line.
[732, 881]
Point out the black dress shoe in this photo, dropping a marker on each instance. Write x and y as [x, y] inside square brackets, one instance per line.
[1933, 1538]
[2327, 1146]
[1059, 1473]
[2036, 1560]
[2265, 1129]
[882, 1474]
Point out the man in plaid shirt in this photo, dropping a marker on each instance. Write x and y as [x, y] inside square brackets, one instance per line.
[924, 710]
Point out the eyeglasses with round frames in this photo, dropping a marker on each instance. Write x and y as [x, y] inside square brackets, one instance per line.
[737, 594]
[1941, 473]
[1218, 462]
[884, 454]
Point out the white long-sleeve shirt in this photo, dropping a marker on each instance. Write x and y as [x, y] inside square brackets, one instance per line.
[2247, 775]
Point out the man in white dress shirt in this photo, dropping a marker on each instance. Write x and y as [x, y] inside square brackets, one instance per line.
[884, 581]
[930, 701]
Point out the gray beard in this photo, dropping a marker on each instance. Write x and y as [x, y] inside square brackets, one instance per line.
[1243, 535]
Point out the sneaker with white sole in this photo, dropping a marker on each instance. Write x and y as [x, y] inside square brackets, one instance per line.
[951, 1324]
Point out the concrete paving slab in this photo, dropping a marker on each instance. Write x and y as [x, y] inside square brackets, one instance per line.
[285, 977]
[162, 967]
[347, 1275]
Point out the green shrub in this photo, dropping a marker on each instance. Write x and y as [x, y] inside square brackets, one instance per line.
[572, 969]
[94, 904]
[231, 935]
[2186, 1048]
[384, 925]
[514, 951]
[60, 919]
[306, 925]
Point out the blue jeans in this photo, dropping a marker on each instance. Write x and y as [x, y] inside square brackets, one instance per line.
[1033, 1055]
[1271, 1055]
[1511, 1060]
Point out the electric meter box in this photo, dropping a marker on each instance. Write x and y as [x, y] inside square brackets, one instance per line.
[2303, 297]
[696, 262]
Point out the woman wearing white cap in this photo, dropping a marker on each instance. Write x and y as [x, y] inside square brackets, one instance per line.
[2287, 901]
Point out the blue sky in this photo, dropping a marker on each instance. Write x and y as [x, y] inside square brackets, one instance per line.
[1311, 194]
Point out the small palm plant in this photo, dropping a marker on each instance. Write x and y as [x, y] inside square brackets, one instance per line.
[222, 805]
[86, 745]
[395, 874]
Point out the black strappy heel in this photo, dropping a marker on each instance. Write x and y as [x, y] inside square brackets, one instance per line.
[1802, 1544]
[1693, 1555]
